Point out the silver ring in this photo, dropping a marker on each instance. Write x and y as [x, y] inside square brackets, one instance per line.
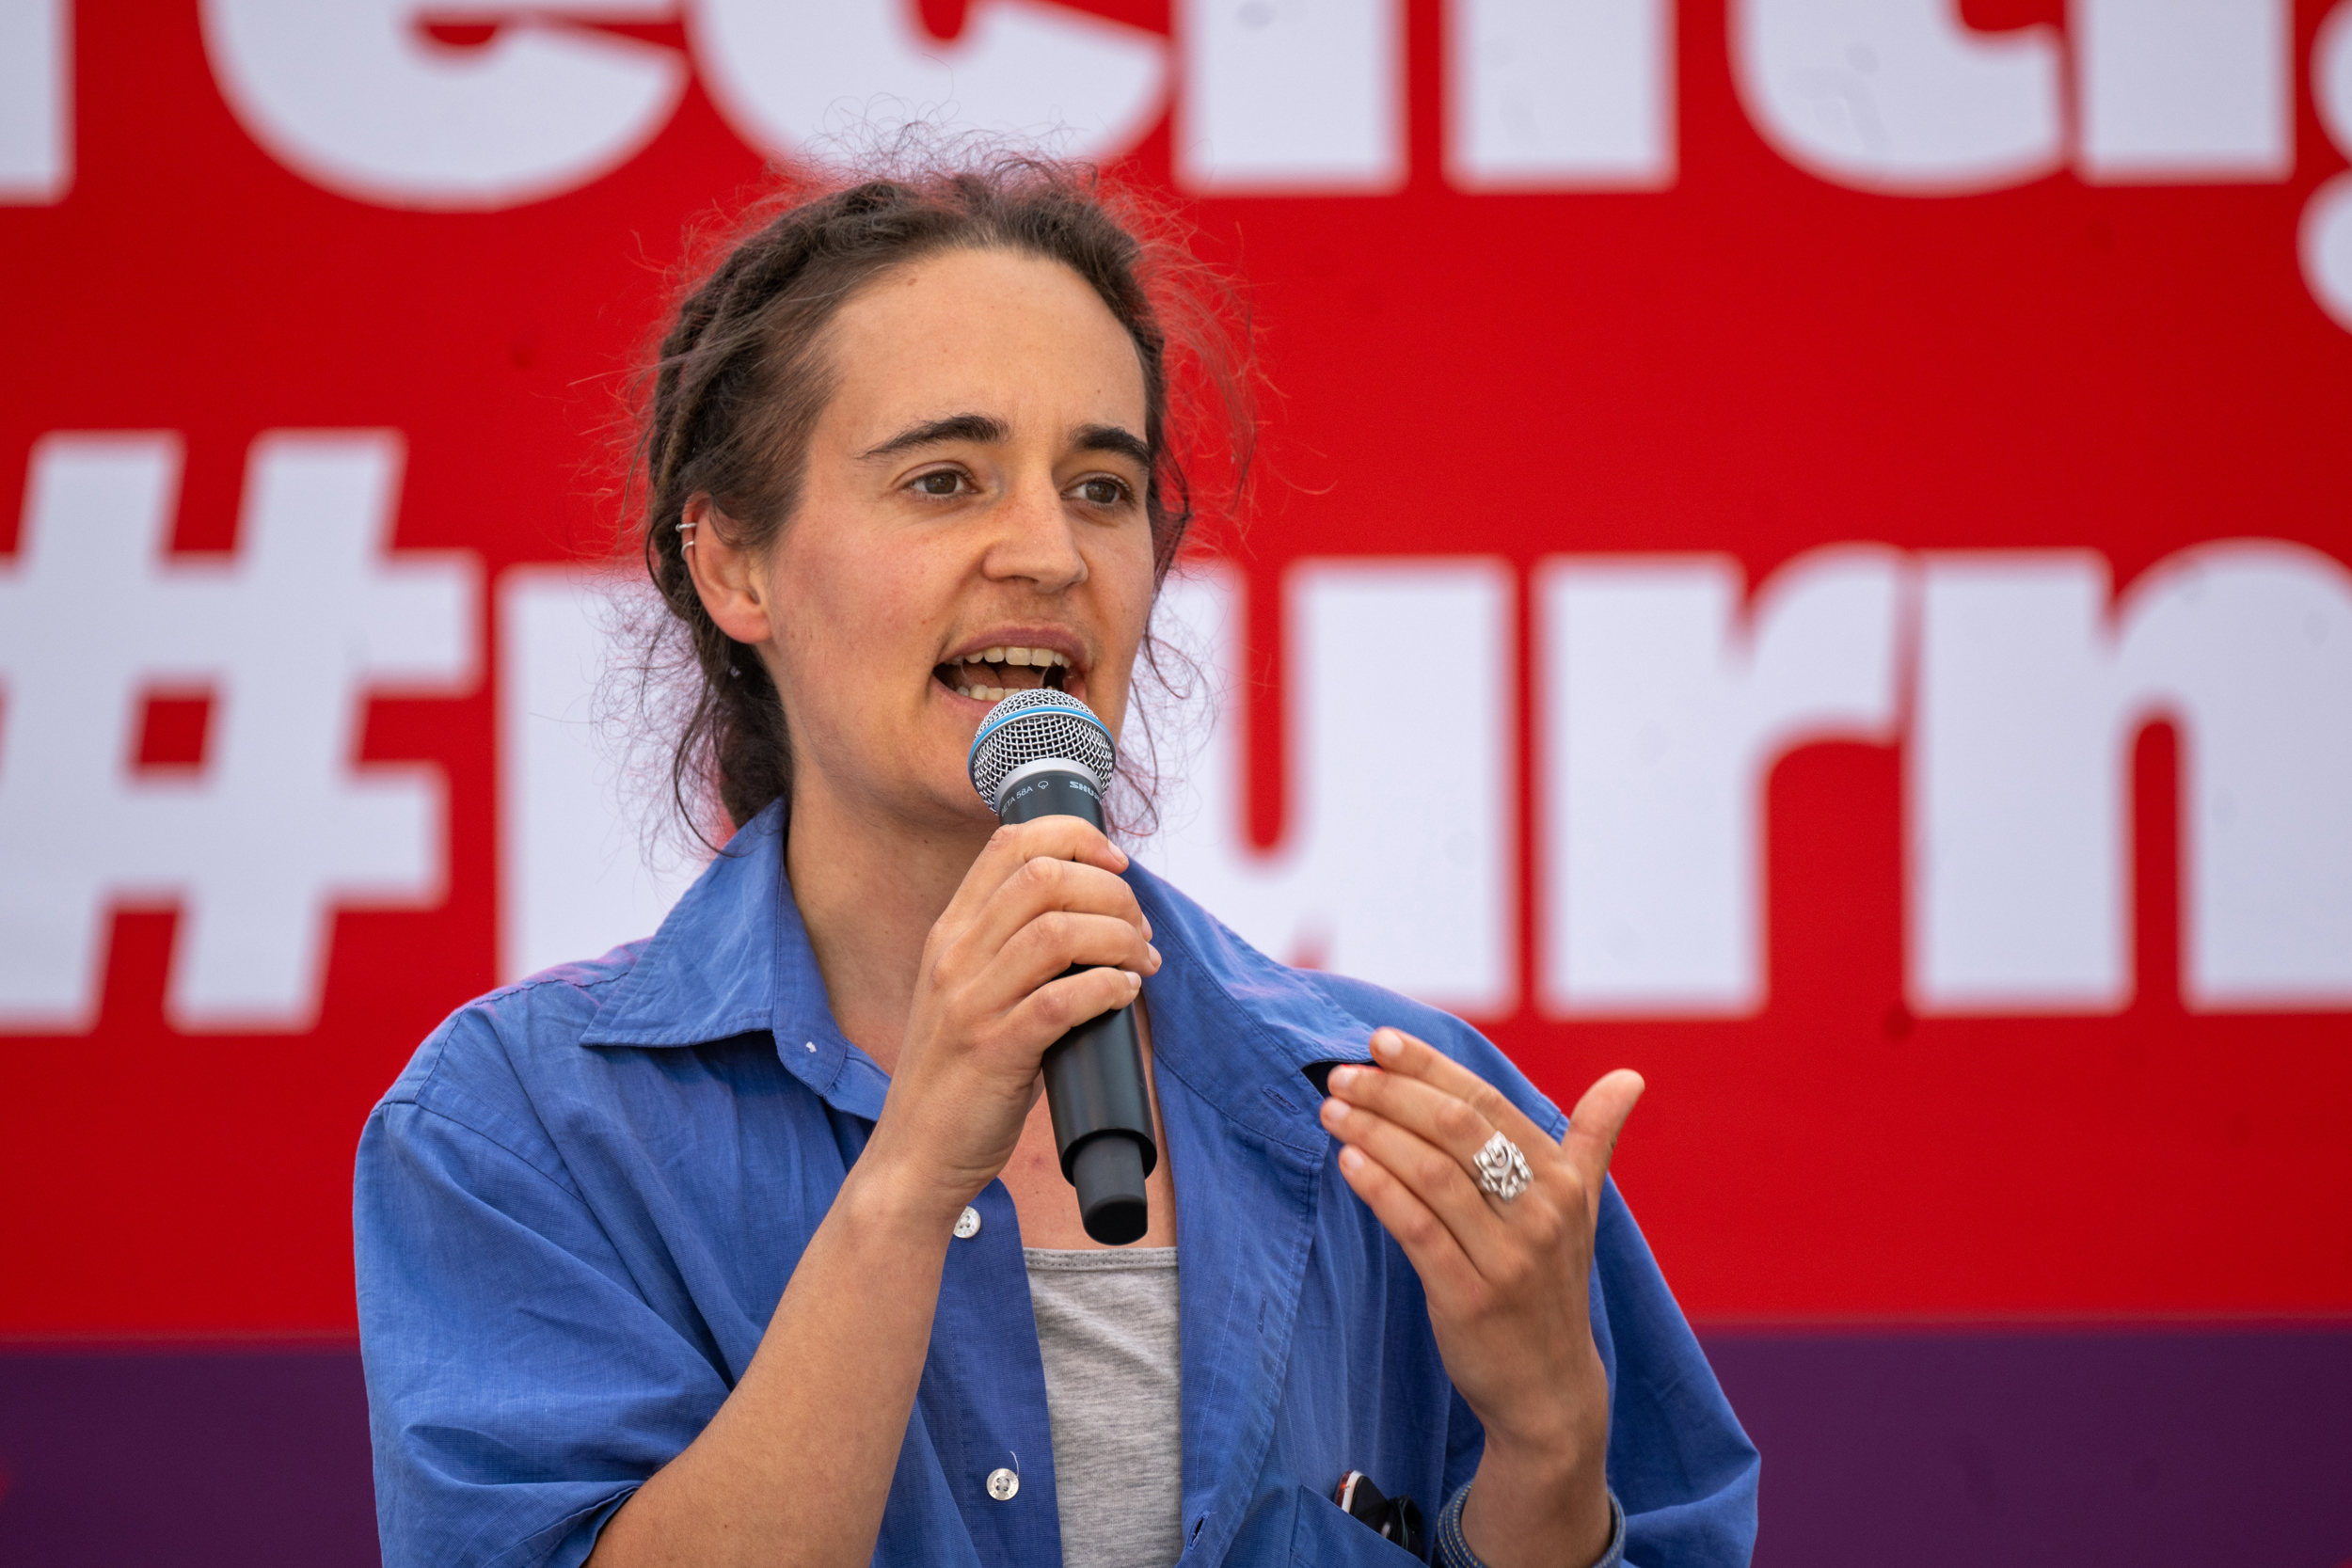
[1502, 1170]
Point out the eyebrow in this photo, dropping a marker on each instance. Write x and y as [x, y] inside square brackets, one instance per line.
[988, 430]
[985, 429]
[1114, 438]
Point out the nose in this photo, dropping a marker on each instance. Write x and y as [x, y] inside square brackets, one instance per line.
[1037, 539]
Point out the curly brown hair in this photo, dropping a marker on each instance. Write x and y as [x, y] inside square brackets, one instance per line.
[740, 381]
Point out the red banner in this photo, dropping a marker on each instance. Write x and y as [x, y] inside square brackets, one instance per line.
[1849, 501]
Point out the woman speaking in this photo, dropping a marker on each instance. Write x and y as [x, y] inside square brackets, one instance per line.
[749, 1243]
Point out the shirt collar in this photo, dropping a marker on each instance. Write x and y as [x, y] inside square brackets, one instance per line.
[1251, 1037]
[733, 958]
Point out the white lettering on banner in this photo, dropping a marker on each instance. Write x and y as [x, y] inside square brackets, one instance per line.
[1399, 849]
[788, 74]
[1291, 95]
[574, 874]
[35, 101]
[1276, 97]
[2019, 848]
[354, 96]
[1899, 95]
[2020, 777]
[1663, 714]
[1662, 708]
[2179, 91]
[1560, 95]
[2327, 230]
[279, 824]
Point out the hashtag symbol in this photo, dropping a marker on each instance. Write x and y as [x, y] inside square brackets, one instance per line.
[281, 824]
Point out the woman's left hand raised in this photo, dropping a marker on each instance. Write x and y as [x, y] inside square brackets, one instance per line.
[1505, 1279]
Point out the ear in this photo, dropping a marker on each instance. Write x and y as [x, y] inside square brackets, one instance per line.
[725, 575]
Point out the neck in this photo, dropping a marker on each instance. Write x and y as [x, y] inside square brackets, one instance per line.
[870, 886]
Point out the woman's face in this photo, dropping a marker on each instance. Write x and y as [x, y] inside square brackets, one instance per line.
[971, 522]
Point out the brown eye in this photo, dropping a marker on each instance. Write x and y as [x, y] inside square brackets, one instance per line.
[947, 482]
[1102, 492]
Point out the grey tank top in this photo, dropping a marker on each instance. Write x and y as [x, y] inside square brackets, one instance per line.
[1106, 1329]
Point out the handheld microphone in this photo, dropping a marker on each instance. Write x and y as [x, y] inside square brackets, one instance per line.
[1043, 753]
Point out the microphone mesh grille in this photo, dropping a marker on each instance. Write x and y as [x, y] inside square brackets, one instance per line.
[1031, 725]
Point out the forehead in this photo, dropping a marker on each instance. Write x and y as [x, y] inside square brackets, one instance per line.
[984, 331]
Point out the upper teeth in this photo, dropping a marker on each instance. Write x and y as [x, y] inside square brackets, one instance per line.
[1025, 655]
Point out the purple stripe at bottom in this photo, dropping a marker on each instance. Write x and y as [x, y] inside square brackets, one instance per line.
[2145, 1450]
[2173, 1449]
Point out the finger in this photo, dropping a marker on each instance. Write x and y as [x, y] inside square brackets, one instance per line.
[1398, 1051]
[1430, 1245]
[1595, 1124]
[1014, 845]
[1061, 938]
[1066, 838]
[1042, 885]
[1420, 1107]
[1432, 1174]
[1052, 1010]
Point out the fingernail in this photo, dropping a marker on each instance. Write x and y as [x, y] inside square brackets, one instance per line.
[1155, 957]
[1335, 1110]
[1351, 1161]
[1386, 1042]
[1147, 928]
[1341, 1078]
[1134, 981]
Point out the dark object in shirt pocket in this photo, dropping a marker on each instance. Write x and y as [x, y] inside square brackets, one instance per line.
[1396, 1519]
[1322, 1537]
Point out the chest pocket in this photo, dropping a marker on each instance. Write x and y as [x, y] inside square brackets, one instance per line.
[1325, 1538]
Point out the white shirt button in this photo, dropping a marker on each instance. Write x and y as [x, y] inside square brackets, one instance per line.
[967, 1227]
[1002, 1484]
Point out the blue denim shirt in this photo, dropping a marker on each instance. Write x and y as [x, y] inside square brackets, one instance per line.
[578, 1207]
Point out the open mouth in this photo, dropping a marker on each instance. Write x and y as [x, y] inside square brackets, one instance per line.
[990, 673]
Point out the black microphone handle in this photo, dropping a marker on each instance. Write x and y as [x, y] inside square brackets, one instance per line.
[1094, 1073]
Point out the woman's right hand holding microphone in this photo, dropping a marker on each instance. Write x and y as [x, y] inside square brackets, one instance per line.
[993, 994]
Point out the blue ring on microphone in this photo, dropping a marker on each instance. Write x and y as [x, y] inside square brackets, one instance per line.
[997, 718]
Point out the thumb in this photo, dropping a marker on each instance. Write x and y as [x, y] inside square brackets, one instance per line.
[1595, 1124]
